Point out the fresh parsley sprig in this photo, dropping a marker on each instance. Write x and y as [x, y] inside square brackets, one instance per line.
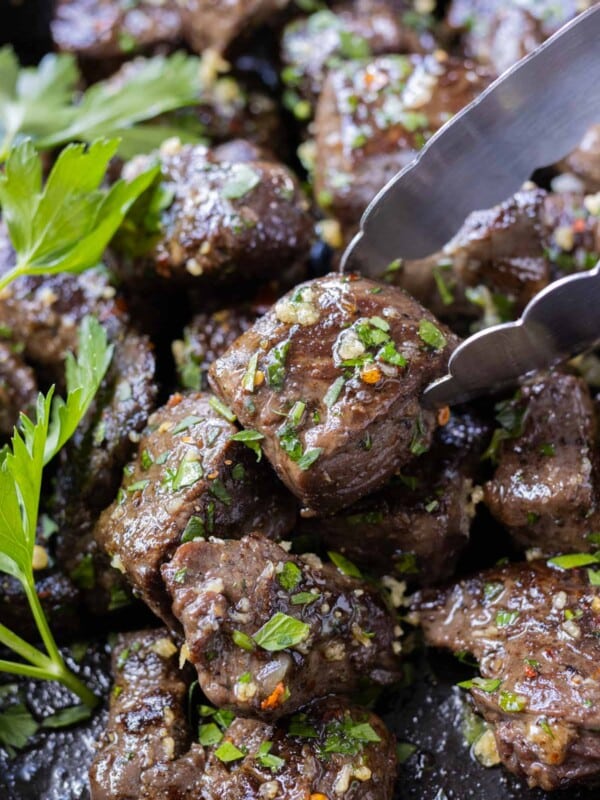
[21, 469]
[42, 103]
[65, 225]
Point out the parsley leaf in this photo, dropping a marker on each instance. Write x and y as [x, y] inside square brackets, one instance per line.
[66, 225]
[281, 632]
[251, 439]
[17, 726]
[42, 102]
[21, 469]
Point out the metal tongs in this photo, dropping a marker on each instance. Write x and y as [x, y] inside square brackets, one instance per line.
[532, 116]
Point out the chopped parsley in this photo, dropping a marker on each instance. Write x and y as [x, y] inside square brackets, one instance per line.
[242, 640]
[266, 759]
[240, 182]
[345, 566]
[333, 393]
[290, 576]
[505, 618]
[432, 335]
[348, 737]
[275, 364]
[251, 439]
[573, 560]
[281, 632]
[185, 424]
[194, 529]
[228, 752]
[488, 685]
[222, 409]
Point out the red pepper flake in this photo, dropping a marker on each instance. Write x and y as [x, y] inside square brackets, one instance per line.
[174, 400]
[443, 416]
[579, 226]
[530, 672]
[275, 699]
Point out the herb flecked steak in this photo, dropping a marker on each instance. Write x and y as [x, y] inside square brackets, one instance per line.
[312, 45]
[419, 523]
[190, 478]
[533, 628]
[546, 487]
[148, 752]
[222, 221]
[331, 377]
[299, 628]
[373, 116]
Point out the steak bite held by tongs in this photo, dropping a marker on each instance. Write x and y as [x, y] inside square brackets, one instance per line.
[331, 378]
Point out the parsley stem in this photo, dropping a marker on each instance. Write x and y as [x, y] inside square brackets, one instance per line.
[41, 621]
[11, 275]
[21, 647]
[28, 671]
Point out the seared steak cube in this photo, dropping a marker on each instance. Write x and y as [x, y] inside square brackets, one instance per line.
[312, 755]
[101, 29]
[331, 377]
[225, 221]
[417, 526]
[534, 630]
[42, 313]
[217, 23]
[374, 116]
[147, 733]
[189, 479]
[148, 752]
[545, 489]
[268, 632]
[18, 385]
[503, 256]
[584, 162]
[501, 33]
[207, 337]
[311, 45]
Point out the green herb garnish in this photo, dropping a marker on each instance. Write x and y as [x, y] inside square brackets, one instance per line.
[281, 632]
[44, 104]
[432, 335]
[66, 225]
[345, 566]
[21, 469]
[251, 439]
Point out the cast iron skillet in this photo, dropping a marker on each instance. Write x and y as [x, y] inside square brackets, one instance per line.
[426, 713]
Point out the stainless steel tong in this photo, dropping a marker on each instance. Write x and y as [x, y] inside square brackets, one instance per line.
[532, 116]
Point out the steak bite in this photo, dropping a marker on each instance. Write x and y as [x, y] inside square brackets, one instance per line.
[42, 314]
[18, 386]
[503, 256]
[147, 734]
[207, 337]
[217, 23]
[499, 33]
[90, 469]
[419, 523]
[329, 750]
[533, 629]
[545, 488]
[268, 632]
[189, 479]
[331, 377]
[225, 221]
[311, 45]
[147, 751]
[373, 116]
[114, 29]
[584, 162]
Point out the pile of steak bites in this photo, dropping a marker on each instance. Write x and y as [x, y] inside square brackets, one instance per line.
[258, 474]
